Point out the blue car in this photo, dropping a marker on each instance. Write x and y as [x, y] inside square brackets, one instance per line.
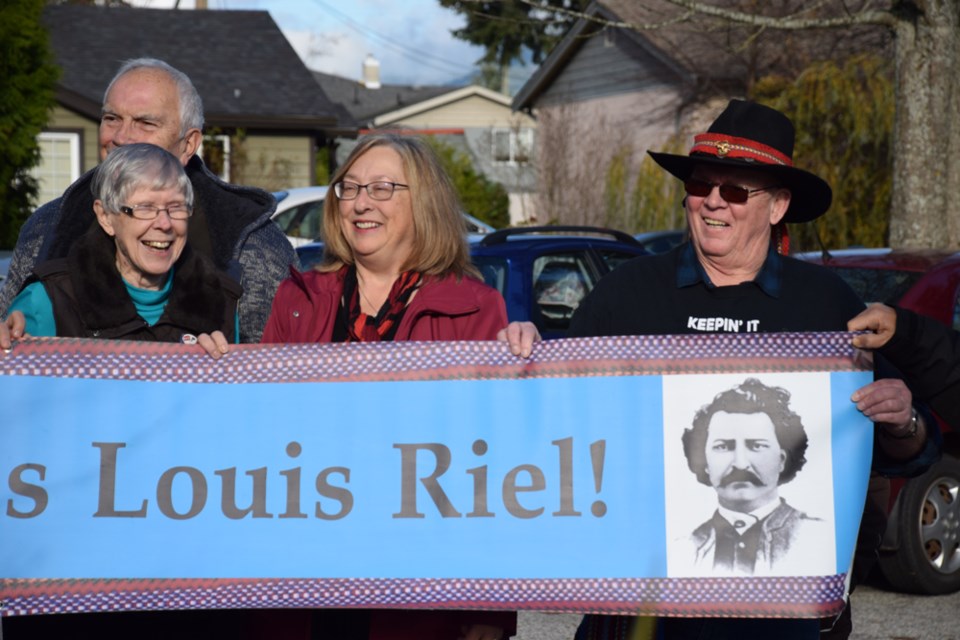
[542, 272]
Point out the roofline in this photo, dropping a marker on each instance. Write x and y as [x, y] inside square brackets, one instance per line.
[439, 101]
[76, 102]
[91, 109]
[550, 68]
[415, 132]
[247, 121]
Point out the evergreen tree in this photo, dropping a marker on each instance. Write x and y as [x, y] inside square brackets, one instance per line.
[844, 113]
[26, 96]
[506, 28]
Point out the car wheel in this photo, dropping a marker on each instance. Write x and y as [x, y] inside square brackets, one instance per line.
[928, 560]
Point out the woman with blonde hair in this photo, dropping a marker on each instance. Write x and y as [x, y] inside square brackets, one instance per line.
[396, 267]
[396, 263]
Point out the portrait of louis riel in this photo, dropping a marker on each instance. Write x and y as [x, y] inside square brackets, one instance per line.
[745, 444]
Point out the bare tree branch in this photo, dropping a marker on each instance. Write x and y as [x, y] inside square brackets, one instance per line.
[618, 24]
[865, 16]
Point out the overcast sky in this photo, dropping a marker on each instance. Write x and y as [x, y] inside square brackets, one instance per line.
[410, 38]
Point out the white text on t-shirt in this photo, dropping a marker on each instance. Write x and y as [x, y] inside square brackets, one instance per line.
[723, 325]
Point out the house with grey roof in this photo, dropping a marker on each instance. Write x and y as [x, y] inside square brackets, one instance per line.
[477, 121]
[265, 115]
[632, 76]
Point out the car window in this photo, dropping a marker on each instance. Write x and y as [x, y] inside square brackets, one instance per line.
[303, 221]
[878, 285]
[494, 272]
[310, 255]
[560, 282]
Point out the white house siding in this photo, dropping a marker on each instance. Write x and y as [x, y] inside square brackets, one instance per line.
[473, 111]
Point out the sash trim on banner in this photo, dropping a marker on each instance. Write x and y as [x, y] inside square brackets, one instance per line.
[714, 597]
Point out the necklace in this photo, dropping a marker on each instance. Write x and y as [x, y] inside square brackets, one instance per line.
[364, 296]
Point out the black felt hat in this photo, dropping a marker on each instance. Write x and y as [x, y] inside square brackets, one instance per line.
[748, 135]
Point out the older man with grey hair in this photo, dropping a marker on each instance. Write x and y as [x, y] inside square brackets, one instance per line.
[150, 101]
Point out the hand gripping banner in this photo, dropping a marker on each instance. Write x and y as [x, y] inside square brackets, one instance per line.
[434, 475]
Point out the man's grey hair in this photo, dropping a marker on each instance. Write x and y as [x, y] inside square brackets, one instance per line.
[134, 166]
[191, 107]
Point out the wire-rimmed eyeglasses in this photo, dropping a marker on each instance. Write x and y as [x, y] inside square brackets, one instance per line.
[179, 211]
[381, 190]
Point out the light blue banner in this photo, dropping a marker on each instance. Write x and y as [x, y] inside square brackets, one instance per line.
[523, 477]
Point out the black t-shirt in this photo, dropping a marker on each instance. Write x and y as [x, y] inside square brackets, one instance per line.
[667, 294]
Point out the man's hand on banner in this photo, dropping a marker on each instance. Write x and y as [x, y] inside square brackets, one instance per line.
[880, 319]
[887, 401]
[889, 404]
[521, 337]
[11, 329]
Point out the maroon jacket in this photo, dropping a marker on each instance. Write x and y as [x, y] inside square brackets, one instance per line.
[306, 306]
[305, 309]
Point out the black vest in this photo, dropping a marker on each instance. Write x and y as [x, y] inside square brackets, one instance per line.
[90, 299]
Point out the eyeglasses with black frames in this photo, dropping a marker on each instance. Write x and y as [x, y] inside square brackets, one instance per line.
[178, 211]
[376, 190]
[734, 194]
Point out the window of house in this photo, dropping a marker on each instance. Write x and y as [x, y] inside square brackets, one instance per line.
[59, 163]
[215, 152]
[512, 146]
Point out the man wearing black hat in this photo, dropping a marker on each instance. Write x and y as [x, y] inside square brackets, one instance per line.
[731, 277]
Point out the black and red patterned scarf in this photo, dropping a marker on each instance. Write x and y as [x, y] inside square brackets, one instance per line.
[363, 328]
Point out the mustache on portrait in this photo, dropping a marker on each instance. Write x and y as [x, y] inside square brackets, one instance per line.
[740, 475]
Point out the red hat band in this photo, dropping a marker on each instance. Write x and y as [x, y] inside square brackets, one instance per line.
[724, 146]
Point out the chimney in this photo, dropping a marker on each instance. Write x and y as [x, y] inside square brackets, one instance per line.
[371, 72]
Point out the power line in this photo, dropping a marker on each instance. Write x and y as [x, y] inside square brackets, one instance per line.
[404, 50]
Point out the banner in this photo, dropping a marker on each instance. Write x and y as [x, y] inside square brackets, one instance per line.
[433, 475]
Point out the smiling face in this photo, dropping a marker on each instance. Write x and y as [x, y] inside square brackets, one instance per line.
[146, 249]
[380, 233]
[731, 240]
[744, 459]
[143, 105]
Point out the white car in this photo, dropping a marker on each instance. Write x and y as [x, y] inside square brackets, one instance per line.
[300, 215]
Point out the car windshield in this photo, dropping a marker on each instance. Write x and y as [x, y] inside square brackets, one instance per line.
[878, 285]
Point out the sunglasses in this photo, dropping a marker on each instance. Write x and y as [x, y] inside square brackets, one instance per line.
[730, 192]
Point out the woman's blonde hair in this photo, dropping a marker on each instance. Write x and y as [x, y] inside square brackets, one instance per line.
[440, 230]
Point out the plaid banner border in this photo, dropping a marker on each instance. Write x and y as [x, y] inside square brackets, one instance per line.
[686, 597]
[247, 364]
[640, 355]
